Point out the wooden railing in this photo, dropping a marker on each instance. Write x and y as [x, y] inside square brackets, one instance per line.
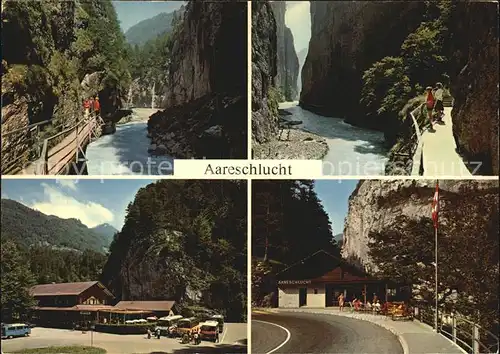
[15, 155]
[57, 151]
[417, 152]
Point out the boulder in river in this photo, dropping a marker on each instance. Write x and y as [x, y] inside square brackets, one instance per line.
[215, 131]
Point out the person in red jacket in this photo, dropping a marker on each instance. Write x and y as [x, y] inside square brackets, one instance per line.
[97, 106]
[429, 102]
[86, 107]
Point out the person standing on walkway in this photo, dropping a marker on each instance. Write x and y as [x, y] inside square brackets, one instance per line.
[341, 302]
[97, 106]
[429, 102]
[86, 108]
[439, 107]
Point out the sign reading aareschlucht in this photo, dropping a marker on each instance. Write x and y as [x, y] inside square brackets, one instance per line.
[231, 169]
[293, 282]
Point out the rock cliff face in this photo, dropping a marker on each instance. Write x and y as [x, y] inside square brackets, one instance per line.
[375, 205]
[206, 90]
[264, 70]
[346, 38]
[475, 82]
[302, 58]
[287, 61]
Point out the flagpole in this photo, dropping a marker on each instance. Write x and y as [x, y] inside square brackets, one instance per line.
[436, 276]
[436, 258]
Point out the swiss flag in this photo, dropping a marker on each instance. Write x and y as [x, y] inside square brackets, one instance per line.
[435, 206]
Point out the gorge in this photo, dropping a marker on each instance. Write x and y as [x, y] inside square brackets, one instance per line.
[58, 54]
[349, 77]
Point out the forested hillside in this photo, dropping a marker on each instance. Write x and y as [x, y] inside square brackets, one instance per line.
[106, 230]
[185, 241]
[151, 28]
[40, 249]
[288, 224]
[28, 227]
[150, 44]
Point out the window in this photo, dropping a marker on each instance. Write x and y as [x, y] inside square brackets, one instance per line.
[315, 291]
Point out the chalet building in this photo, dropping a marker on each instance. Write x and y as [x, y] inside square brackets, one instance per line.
[71, 305]
[67, 304]
[319, 279]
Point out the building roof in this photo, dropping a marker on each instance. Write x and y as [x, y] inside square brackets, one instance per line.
[65, 288]
[87, 308]
[145, 305]
[317, 265]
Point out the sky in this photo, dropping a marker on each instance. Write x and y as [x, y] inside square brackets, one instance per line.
[298, 19]
[132, 12]
[334, 195]
[93, 202]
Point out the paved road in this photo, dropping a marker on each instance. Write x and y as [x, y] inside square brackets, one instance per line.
[439, 154]
[126, 151]
[317, 333]
[351, 150]
[128, 344]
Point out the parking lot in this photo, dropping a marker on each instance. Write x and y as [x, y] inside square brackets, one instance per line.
[233, 334]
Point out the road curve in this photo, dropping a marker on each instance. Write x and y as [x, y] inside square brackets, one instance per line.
[316, 333]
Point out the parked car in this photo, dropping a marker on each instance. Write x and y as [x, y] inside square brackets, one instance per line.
[168, 324]
[208, 330]
[187, 325]
[15, 330]
[220, 321]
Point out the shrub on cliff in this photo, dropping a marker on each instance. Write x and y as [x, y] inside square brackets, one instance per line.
[391, 82]
[183, 241]
[274, 97]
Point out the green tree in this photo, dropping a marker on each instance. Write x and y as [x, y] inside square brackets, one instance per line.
[16, 281]
[468, 257]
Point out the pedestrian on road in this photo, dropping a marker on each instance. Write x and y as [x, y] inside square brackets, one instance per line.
[341, 302]
[97, 106]
[429, 102]
[158, 333]
[149, 333]
[439, 107]
[216, 336]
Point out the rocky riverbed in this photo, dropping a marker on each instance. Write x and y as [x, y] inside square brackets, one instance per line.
[294, 144]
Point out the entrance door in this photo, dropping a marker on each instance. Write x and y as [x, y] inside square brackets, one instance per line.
[302, 297]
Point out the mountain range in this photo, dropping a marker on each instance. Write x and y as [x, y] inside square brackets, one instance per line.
[28, 227]
[151, 28]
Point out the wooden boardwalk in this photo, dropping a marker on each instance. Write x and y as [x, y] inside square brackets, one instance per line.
[439, 151]
[59, 159]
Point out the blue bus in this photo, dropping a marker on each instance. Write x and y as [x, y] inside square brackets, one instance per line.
[15, 330]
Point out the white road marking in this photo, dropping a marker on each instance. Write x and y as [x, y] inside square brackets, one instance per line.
[288, 335]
